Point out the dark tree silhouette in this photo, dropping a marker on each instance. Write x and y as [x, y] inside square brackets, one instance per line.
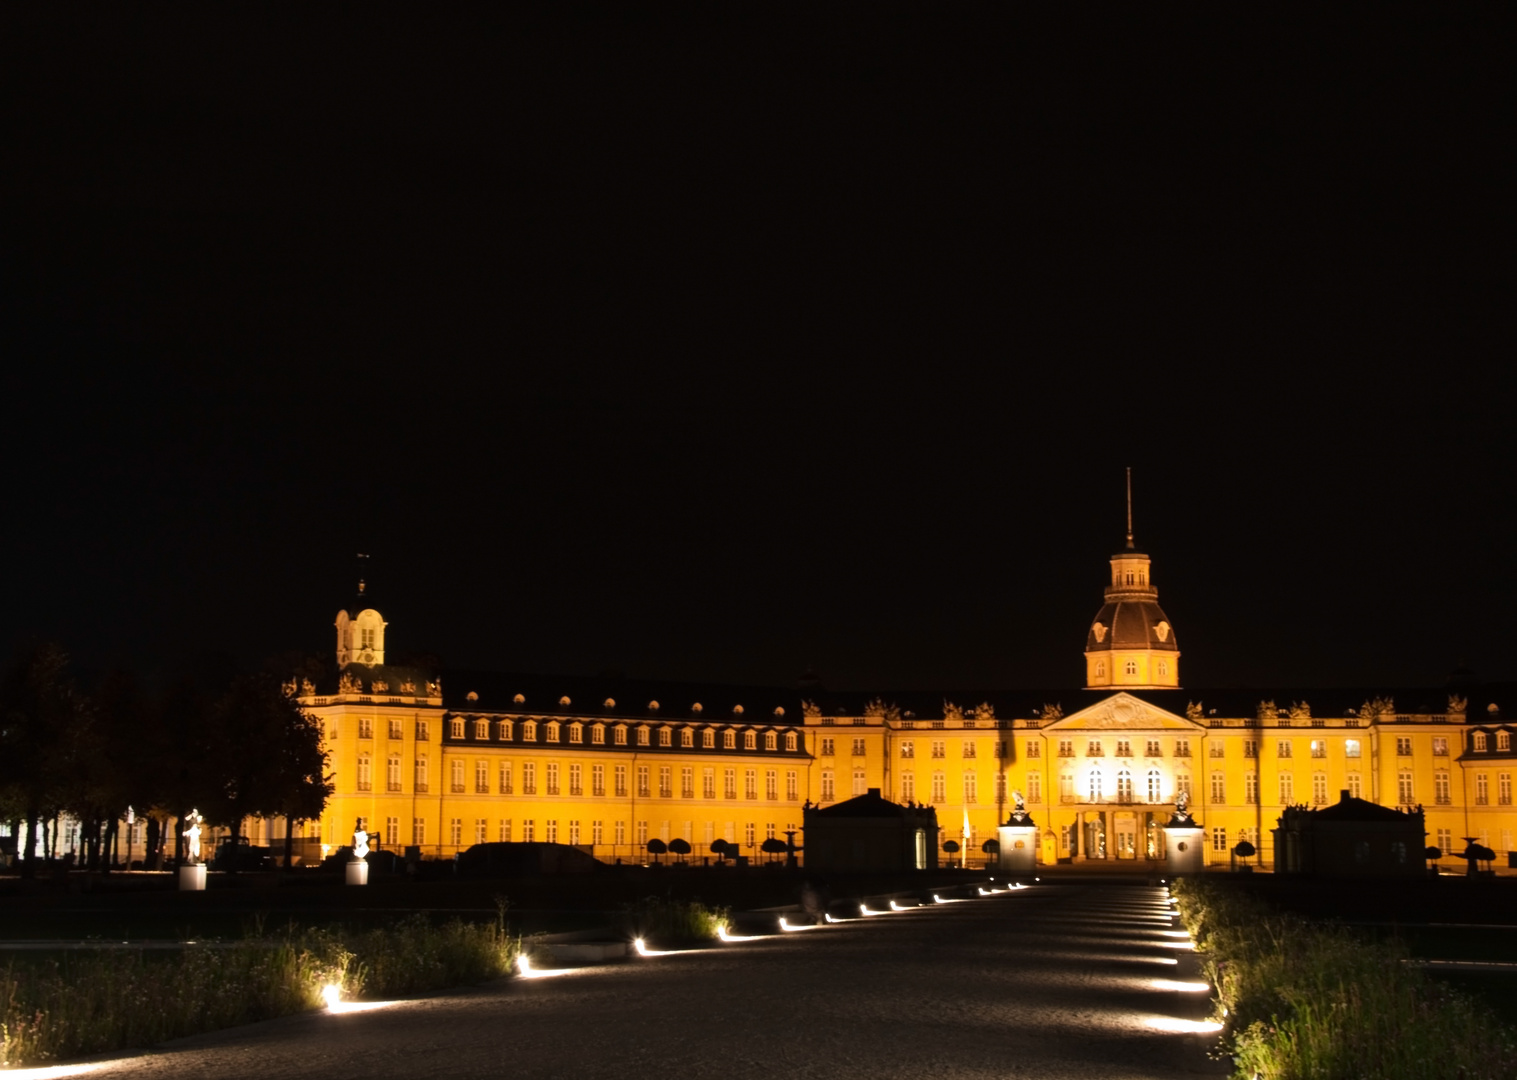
[45, 729]
[679, 847]
[657, 847]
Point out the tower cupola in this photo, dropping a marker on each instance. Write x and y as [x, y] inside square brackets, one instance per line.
[1131, 643]
[360, 631]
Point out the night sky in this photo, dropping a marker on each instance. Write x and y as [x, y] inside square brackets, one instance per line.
[720, 343]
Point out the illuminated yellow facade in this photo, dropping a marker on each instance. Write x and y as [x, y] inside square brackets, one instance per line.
[609, 768]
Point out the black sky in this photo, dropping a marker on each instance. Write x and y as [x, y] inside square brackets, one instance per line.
[715, 343]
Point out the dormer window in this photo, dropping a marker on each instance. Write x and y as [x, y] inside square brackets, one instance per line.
[553, 731]
[529, 730]
[750, 740]
[771, 740]
[708, 739]
[1503, 742]
[503, 730]
[576, 733]
[665, 737]
[482, 729]
[729, 740]
[790, 740]
[598, 734]
[620, 737]
[456, 728]
[642, 736]
[1477, 741]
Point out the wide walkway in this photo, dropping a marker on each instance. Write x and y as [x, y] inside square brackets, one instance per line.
[1057, 980]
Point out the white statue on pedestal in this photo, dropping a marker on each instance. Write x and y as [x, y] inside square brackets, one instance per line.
[360, 843]
[192, 836]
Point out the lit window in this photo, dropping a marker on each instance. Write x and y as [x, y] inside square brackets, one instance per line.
[619, 735]
[598, 734]
[729, 740]
[686, 738]
[1351, 748]
[481, 729]
[1131, 667]
[1478, 741]
[790, 741]
[456, 728]
[1503, 741]
[750, 740]
[576, 733]
[708, 739]
[771, 740]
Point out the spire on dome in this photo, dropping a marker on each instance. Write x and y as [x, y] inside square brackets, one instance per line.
[1129, 508]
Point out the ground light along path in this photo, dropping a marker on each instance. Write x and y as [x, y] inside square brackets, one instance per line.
[1059, 981]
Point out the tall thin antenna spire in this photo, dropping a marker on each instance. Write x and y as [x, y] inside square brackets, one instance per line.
[1129, 508]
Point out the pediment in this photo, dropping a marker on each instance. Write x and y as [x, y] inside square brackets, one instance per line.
[1123, 712]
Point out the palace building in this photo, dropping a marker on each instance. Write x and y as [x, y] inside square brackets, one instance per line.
[443, 760]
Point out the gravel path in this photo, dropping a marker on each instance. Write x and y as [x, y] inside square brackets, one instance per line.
[1057, 981]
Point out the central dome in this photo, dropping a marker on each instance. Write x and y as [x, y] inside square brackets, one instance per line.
[1131, 642]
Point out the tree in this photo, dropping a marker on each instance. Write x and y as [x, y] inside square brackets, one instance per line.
[773, 846]
[951, 846]
[722, 850]
[42, 720]
[657, 847]
[679, 847]
[991, 846]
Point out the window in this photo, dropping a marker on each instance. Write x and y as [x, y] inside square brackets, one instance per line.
[1440, 746]
[1152, 749]
[1124, 748]
[552, 736]
[665, 737]
[750, 834]
[1482, 790]
[1218, 788]
[1124, 786]
[939, 748]
[790, 741]
[939, 788]
[708, 739]
[1130, 668]
[597, 833]
[620, 835]
[1354, 785]
[365, 727]
[621, 781]
[687, 782]
[1503, 742]
[1351, 748]
[397, 729]
[708, 783]
[528, 831]
[529, 730]
[687, 738]
[828, 791]
[1034, 748]
[642, 736]
[792, 785]
[619, 735]
[456, 776]
[550, 831]
[597, 780]
[1155, 786]
[1182, 748]
[456, 831]
[666, 781]
[1093, 748]
[729, 740]
[971, 788]
[1287, 789]
[420, 785]
[505, 830]
[729, 783]
[576, 733]
[750, 740]
[1283, 748]
[456, 728]
[1217, 748]
[573, 832]
[1093, 785]
[771, 784]
[421, 731]
[1163, 668]
[908, 787]
[576, 784]
[1403, 746]
[503, 730]
[1066, 787]
[598, 735]
[828, 744]
[1034, 788]
[1250, 748]
[1066, 748]
[392, 773]
[418, 830]
[643, 788]
[481, 778]
[1445, 840]
[908, 749]
[1182, 785]
[1319, 789]
[750, 783]
[1441, 788]
[392, 831]
[481, 830]
[772, 741]
[1319, 748]
[551, 776]
[969, 748]
[1504, 788]
[482, 729]
[1477, 740]
[1219, 840]
[1404, 787]
[1250, 789]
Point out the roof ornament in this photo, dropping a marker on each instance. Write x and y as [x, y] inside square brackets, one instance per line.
[1129, 508]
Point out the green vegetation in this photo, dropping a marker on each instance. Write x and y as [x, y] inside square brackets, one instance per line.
[673, 922]
[88, 1002]
[1303, 1001]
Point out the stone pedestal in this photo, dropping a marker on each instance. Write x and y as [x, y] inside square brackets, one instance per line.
[1183, 848]
[1019, 848]
[192, 878]
[358, 872]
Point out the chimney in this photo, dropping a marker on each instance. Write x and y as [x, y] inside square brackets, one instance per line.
[1344, 796]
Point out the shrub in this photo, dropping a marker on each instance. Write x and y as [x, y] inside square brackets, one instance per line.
[672, 921]
[1301, 1000]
